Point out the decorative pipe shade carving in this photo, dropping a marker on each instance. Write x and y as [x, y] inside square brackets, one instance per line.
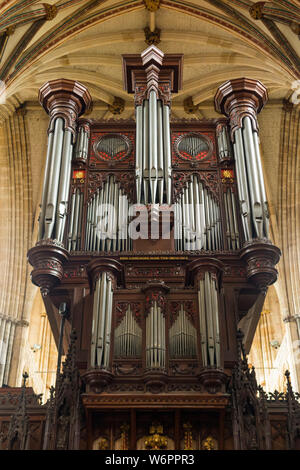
[182, 336]
[128, 336]
[197, 218]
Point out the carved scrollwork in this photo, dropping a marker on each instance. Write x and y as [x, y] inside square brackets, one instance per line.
[188, 306]
[136, 309]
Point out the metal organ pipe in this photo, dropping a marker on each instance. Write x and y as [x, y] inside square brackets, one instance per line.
[45, 185]
[182, 336]
[128, 336]
[232, 232]
[265, 210]
[107, 219]
[155, 338]
[160, 152]
[252, 173]
[209, 320]
[53, 180]
[153, 144]
[153, 151]
[82, 143]
[101, 326]
[251, 187]
[145, 128]
[200, 227]
[55, 197]
[139, 152]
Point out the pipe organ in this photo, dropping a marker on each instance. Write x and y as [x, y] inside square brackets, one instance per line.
[209, 320]
[107, 219]
[155, 315]
[182, 336]
[128, 336]
[197, 219]
[249, 172]
[102, 320]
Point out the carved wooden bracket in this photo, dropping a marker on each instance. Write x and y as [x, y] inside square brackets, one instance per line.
[47, 259]
[261, 256]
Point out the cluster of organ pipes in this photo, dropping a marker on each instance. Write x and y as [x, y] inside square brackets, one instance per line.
[232, 230]
[128, 336]
[153, 152]
[102, 321]
[197, 219]
[75, 220]
[107, 219]
[209, 320]
[82, 143]
[224, 145]
[55, 195]
[251, 189]
[155, 338]
[182, 337]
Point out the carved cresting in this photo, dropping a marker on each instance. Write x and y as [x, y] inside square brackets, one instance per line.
[64, 101]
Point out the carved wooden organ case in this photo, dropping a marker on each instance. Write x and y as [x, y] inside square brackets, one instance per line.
[155, 233]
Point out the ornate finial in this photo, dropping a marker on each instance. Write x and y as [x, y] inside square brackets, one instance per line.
[152, 37]
[152, 5]
[124, 428]
[208, 444]
[152, 59]
[156, 440]
[118, 106]
[73, 336]
[52, 391]
[25, 377]
[188, 436]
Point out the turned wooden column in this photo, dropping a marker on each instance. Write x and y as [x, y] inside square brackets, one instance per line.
[241, 100]
[206, 274]
[64, 101]
[104, 275]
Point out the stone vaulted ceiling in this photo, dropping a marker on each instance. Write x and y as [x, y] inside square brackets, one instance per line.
[84, 40]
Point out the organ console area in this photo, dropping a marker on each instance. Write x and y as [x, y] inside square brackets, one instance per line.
[155, 233]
